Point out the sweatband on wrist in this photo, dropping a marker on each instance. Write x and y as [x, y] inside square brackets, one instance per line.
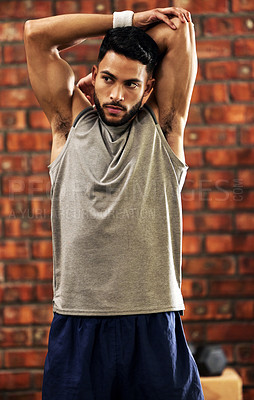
[122, 18]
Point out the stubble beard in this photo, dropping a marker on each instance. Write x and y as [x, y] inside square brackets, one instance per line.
[126, 118]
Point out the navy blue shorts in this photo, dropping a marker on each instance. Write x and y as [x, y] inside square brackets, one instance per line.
[133, 357]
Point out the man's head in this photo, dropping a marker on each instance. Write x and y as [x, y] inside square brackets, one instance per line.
[123, 76]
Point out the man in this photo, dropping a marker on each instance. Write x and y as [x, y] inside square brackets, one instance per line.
[117, 169]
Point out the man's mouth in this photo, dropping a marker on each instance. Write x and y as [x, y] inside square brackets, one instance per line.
[113, 109]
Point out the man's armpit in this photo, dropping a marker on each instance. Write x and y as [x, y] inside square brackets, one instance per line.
[167, 121]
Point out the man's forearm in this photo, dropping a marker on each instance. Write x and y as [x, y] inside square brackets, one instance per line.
[63, 31]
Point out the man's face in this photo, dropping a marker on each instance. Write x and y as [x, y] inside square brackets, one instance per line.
[120, 85]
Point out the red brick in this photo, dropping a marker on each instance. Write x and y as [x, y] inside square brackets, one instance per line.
[10, 207]
[39, 270]
[28, 227]
[40, 207]
[14, 54]
[17, 293]
[16, 337]
[244, 47]
[221, 26]
[206, 310]
[225, 200]
[66, 7]
[247, 135]
[18, 98]
[245, 353]
[39, 163]
[35, 270]
[192, 200]
[227, 157]
[222, 70]
[242, 91]
[210, 136]
[25, 396]
[248, 393]
[247, 375]
[194, 116]
[214, 93]
[192, 244]
[2, 273]
[203, 7]
[136, 6]
[245, 222]
[10, 249]
[194, 288]
[209, 265]
[228, 243]
[24, 10]
[95, 7]
[25, 359]
[195, 332]
[203, 180]
[11, 31]
[1, 142]
[87, 52]
[44, 292]
[230, 332]
[35, 184]
[42, 249]
[246, 177]
[14, 76]
[194, 158]
[13, 119]
[242, 5]
[27, 315]
[38, 379]
[213, 48]
[229, 114]
[246, 265]
[12, 381]
[13, 163]
[27, 141]
[232, 288]
[38, 120]
[41, 336]
[207, 223]
[244, 309]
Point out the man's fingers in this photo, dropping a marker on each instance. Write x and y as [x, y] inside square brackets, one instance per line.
[181, 13]
[164, 18]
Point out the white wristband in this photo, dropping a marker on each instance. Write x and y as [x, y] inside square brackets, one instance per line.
[122, 18]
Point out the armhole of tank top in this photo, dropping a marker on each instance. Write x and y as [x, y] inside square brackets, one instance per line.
[60, 155]
[177, 160]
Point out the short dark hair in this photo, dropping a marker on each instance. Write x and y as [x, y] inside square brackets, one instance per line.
[133, 43]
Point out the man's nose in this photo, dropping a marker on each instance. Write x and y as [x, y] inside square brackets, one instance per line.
[117, 93]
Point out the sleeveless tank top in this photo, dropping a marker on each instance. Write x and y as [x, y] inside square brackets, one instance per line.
[116, 219]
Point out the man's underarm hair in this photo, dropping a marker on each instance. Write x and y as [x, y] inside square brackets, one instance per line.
[167, 121]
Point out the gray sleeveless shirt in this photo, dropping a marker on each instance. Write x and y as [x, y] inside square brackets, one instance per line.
[116, 219]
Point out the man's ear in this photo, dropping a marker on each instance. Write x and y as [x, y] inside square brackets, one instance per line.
[94, 73]
[149, 86]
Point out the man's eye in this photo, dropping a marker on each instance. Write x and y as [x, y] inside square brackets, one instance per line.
[107, 78]
[132, 85]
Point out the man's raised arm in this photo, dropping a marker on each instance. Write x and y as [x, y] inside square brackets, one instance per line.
[51, 77]
[174, 80]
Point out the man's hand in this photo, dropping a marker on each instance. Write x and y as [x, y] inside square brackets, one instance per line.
[86, 86]
[145, 19]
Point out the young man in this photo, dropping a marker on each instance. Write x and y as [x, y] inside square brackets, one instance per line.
[117, 169]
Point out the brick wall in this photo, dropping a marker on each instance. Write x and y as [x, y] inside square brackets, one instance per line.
[218, 197]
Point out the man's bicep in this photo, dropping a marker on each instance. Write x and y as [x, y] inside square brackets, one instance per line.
[175, 78]
[52, 80]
